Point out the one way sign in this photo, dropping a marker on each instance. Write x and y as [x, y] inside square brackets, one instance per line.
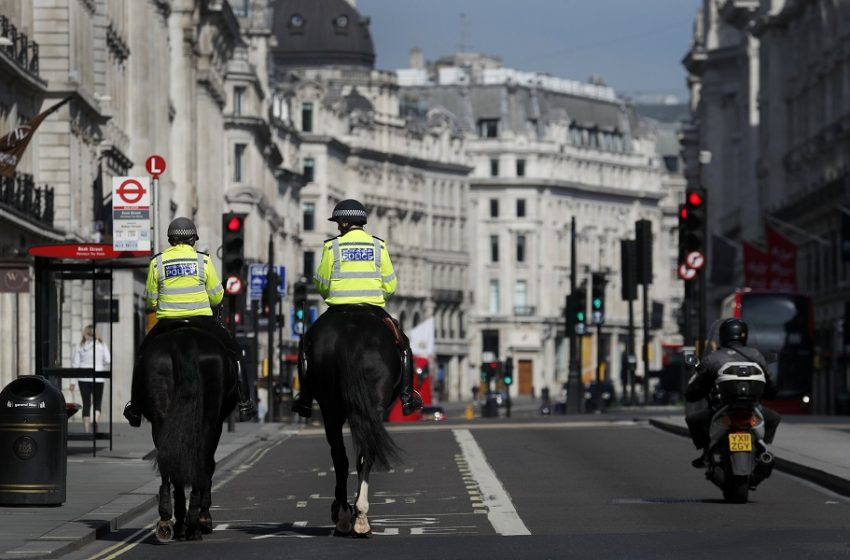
[257, 276]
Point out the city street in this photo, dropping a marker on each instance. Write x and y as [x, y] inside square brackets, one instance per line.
[606, 486]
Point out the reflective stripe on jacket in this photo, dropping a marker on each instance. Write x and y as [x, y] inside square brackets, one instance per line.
[182, 283]
[355, 268]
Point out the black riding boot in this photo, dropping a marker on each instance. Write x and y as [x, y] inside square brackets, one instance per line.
[247, 408]
[303, 403]
[411, 401]
[132, 410]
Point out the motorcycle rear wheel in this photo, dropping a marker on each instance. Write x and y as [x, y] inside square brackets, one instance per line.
[737, 489]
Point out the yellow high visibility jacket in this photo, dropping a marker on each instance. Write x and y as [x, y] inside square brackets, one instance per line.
[355, 268]
[182, 282]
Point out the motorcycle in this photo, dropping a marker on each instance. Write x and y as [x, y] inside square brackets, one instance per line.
[738, 459]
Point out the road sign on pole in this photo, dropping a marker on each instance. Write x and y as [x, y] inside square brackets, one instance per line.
[155, 166]
[131, 214]
[258, 276]
[233, 285]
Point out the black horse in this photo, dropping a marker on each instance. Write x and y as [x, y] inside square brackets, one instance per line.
[354, 372]
[189, 390]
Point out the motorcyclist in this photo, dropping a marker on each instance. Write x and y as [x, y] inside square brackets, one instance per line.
[356, 269]
[183, 286]
[733, 348]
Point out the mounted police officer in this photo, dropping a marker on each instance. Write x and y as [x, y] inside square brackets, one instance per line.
[356, 270]
[183, 287]
[733, 335]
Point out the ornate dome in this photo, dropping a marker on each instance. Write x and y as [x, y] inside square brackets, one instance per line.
[321, 33]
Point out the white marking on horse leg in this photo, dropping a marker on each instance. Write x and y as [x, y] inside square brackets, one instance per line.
[361, 524]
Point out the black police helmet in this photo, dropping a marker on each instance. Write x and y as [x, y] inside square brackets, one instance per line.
[182, 230]
[733, 330]
[350, 211]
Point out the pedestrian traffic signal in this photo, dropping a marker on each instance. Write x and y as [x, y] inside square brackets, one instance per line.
[232, 243]
[508, 372]
[597, 302]
[580, 309]
[692, 223]
[300, 322]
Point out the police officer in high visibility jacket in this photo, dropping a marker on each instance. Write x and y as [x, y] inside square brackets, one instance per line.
[183, 285]
[356, 269]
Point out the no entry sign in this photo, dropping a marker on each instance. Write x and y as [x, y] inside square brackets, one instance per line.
[233, 285]
[131, 219]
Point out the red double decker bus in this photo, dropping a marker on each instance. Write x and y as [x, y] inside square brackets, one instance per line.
[781, 322]
[422, 383]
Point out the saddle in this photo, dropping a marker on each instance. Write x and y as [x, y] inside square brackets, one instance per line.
[379, 313]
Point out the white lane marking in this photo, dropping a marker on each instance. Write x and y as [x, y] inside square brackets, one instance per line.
[501, 514]
[301, 504]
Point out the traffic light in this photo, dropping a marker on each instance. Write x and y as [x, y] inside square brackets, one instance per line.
[269, 297]
[299, 303]
[569, 316]
[508, 372]
[580, 310]
[692, 223]
[232, 243]
[597, 301]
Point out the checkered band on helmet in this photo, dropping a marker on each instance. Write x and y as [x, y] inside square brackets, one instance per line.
[182, 229]
[350, 211]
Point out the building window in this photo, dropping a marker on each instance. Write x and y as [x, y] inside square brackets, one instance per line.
[238, 98]
[494, 296]
[520, 248]
[309, 264]
[309, 216]
[239, 162]
[241, 8]
[494, 207]
[494, 248]
[307, 117]
[309, 169]
[488, 128]
[520, 208]
[521, 297]
[494, 168]
[520, 168]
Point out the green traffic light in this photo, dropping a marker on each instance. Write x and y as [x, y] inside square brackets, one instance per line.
[597, 303]
[580, 316]
[299, 314]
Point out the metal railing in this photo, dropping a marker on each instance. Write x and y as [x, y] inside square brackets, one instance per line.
[22, 50]
[20, 194]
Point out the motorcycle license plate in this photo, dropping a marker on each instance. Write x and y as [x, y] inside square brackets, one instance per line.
[740, 442]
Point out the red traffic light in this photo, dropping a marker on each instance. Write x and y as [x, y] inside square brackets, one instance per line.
[234, 223]
[493, 365]
[683, 212]
[694, 199]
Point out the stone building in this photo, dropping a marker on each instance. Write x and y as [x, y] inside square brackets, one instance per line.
[409, 170]
[543, 150]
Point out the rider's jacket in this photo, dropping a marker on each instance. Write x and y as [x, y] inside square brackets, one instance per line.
[702, 383]
[182, 282]
[355, 268]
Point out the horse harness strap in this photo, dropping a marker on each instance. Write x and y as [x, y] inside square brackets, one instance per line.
[394, 329]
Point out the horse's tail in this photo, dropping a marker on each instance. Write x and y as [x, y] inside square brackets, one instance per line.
[365, 418]
[179, 451]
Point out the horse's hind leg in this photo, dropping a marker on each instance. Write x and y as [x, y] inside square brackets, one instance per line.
[205, 517]
[179, 512]
[193, 528]
[361, 504]
[340, 509]
[165, 527]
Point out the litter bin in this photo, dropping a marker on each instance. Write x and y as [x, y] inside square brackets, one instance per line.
[490, 409]
[33, 443]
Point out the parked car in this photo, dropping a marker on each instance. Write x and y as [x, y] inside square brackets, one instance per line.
[433, 414]
[605, 393]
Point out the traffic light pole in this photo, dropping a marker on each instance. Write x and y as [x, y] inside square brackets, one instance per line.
[271, 286]
[574, 392]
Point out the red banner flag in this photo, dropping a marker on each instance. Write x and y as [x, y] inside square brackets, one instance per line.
[783, 261]
[756, 266]
[12, 145]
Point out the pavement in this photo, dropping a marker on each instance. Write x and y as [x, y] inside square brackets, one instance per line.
[107, 490]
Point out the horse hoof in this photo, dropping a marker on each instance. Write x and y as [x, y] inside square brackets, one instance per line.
[164, 531]
[341, 516]
[205, 521]
[362, 528]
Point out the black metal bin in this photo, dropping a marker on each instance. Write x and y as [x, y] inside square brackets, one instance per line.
[33, 443]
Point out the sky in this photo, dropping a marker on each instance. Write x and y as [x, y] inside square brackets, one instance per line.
[636, 46]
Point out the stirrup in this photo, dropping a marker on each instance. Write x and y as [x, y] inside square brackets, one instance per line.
[132, 415]
[247, 410]
[301, 408]
[410, 402]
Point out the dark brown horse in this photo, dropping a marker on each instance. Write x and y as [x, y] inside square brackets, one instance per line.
[190, 389]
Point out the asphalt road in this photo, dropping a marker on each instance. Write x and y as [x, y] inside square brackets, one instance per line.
[552, 489]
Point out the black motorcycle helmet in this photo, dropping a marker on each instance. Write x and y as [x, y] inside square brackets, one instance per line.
[733, 330]
[350, 211]
[182, 230]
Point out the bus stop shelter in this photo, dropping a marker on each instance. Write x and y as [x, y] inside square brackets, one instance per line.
[63, 273]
